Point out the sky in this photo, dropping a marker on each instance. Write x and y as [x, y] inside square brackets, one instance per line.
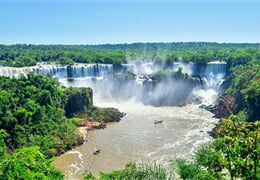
[102, 22]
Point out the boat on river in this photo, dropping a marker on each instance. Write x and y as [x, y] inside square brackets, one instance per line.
[96, 151]
[158, 121]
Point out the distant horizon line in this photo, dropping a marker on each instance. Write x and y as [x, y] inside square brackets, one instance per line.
[127, 43]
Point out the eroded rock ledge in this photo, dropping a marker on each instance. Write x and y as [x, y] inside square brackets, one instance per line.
[79, 104]
[226, 106]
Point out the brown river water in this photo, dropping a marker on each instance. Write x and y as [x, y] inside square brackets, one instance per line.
[137, 138]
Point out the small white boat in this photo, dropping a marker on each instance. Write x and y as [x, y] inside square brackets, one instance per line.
[96, 151]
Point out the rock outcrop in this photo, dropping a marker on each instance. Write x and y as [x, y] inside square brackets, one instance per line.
[80, 104]
[226, 106]
[78, 100]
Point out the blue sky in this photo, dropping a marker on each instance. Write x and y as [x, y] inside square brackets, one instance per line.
[126, 22]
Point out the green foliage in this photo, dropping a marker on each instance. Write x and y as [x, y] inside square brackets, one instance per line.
[200, 52]
[239, 143]
[171, 74]
[137, 172]
[28, 55]
[65, 61]
[105, 115]
[188, 170]
[89, 176]
[207, 157]
[31, 114]
[3, 147]
[80, 104]
[192, 56]
[245, 88]
[231, 56]
[21, 61]
[28, 163]
[79, 100]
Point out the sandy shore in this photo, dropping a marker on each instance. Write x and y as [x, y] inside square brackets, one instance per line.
[89, 125]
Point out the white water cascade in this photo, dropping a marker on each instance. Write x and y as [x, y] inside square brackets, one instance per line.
[59, 71]
[137, 84]
[212, 80]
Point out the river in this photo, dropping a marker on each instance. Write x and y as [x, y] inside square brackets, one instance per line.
[137, 138]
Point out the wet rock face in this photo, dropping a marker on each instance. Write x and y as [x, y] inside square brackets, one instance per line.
[79, 100]
[226, 106]
[80, 103]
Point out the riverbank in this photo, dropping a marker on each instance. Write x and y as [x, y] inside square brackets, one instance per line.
[225, 106]
[86, 126]
[102, 116]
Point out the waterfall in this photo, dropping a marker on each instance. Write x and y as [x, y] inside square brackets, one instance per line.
[75, 71]
[15, 71]
[59, 71]
[134, 80]
[214, 74]
[216, 67]
[212, 80]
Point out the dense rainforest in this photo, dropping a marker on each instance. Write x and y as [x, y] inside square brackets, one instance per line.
[198, 52]
[38, 118]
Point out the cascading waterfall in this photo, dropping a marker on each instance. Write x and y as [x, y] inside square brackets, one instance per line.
[212, 80]
[215, 74]
[75, 71]
[212, 77]
[15, 72]
[52, 70]
[133, 81]
[59, 71]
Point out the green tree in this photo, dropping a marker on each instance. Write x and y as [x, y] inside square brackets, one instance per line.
[28, 163]
[138, 172]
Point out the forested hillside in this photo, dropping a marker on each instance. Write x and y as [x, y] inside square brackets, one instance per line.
[31, 114]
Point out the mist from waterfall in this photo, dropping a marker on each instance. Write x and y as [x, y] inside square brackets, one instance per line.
[134, 81]
[211, 83]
